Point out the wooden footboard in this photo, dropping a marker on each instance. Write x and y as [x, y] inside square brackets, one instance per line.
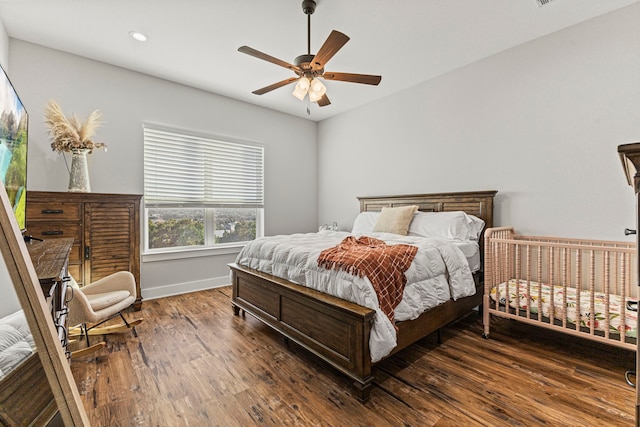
[594, 283]
[25, 395]
[335, 330]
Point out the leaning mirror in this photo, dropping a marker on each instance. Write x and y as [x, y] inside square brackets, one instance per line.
[36, 384]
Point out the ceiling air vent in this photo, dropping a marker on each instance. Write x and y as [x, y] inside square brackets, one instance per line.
[541, 3]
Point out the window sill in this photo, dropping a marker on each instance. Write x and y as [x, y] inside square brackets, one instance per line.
[191, 253]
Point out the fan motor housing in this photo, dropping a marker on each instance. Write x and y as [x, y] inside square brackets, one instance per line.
[303, 61]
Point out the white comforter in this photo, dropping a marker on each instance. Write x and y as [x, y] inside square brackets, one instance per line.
[295, 258]
[16, 342]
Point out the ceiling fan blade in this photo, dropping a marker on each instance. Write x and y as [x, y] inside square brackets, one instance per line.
[275, 86]
[324, 101]
[250, 51]
[334, 43]
[366, 79]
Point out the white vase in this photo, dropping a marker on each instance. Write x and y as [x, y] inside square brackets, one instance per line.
[79, 175]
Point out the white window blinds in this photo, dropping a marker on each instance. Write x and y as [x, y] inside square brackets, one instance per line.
[183, 170]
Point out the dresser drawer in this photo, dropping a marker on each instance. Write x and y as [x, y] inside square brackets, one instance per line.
[53, 230]
[53, 211]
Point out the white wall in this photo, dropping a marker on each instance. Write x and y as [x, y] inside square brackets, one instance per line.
[540, 123]
[4, 47]
[126, 100]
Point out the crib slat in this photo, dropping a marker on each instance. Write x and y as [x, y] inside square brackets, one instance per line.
[518, 274]
[539, 286]
[564, 287]
[607, 293]
[592, 285]
[552, 300]
[623, 298]
[528, 268]
[578, 288]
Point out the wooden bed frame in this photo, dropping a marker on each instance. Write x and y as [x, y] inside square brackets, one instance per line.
[336, 330]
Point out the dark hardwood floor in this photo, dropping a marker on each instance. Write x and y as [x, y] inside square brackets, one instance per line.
[193, 363]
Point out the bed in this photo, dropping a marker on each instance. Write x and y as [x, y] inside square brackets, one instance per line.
[580, 287]
[16, 342]
[22, 374]
[339, 331]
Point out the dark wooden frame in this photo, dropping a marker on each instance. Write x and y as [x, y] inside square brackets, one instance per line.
[336, 330]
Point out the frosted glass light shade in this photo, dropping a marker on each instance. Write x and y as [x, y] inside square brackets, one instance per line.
[316, 91]
[301, 88]
[313, 96]
[318, 87]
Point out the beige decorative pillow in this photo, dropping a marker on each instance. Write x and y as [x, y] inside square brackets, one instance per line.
[395, 220]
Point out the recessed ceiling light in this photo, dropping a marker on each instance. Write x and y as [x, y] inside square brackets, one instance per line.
[138, 36]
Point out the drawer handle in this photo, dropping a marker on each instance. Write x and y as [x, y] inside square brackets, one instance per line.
[52, 233]
[52, 211]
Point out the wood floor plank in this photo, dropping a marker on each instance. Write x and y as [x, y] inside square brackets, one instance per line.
[193, 363]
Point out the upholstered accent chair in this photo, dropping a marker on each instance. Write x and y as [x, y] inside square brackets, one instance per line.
[98, 303]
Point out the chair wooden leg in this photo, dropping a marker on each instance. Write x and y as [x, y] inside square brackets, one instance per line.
[104, 330]
[87, 350]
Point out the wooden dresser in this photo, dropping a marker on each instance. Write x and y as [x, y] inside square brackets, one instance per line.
[50, 259]
[105, 229]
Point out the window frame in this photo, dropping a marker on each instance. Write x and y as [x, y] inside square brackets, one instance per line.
[159, 254]
[182, 252]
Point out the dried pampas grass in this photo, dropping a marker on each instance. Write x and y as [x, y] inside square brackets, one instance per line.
[70, 134]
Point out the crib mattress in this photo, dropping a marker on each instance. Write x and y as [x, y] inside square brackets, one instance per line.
[616, 308]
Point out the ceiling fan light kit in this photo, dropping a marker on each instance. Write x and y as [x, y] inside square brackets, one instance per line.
[310, 68]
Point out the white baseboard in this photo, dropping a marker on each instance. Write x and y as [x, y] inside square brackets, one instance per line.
[183, 288]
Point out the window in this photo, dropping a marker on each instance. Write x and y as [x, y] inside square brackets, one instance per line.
[200, 191]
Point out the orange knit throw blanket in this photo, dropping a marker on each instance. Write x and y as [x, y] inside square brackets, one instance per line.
[384, 265]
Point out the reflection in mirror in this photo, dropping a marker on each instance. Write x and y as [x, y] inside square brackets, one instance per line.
[35, 390]
[16, 341]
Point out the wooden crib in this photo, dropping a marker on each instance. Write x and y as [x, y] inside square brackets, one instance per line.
[593, 283]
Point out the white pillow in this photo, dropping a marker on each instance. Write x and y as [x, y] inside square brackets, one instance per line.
[364, 222]
[445, 225]
[475, 225]
[428, 224]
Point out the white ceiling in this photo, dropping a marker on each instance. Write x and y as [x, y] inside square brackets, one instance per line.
[195, 42]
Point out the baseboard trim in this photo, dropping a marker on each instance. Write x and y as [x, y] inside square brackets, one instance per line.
[183, 288]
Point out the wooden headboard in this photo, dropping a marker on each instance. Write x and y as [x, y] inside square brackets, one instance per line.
[476, 203]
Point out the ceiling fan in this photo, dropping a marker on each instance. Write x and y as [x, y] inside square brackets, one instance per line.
[309, 68]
